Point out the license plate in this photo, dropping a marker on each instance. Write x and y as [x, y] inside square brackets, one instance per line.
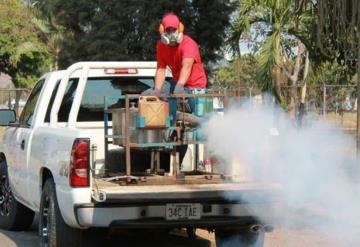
[183, 211]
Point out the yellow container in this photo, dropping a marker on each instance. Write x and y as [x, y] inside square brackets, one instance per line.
[154, 111]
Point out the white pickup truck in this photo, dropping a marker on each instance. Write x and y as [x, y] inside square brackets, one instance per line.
[55, 160]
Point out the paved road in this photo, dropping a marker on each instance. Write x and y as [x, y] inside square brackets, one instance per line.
[12, 239]
[279, 238]
[302, 236]
[100, 238]
[96, 238]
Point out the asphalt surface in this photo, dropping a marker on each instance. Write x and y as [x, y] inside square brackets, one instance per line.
[298, 235]
[98, 238]
[101, 238]
[278, 238]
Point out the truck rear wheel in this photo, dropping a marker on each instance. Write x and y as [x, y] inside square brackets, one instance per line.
[13, 215]
[53, 231]
[239, 238]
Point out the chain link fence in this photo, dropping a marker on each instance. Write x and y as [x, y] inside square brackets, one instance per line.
[334, 103]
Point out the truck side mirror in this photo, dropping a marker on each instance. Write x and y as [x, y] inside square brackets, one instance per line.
[7, 116]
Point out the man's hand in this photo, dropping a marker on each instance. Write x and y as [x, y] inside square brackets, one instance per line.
[179, 89]
[151, 92]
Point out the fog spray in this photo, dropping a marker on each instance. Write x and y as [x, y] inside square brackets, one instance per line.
[315, 168]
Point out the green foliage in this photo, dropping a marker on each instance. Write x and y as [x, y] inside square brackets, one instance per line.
[52, 33]
[331, 73]
[269, 57]
[128, 30]
[239, 73]
[338, 32]
[279, 23]
[22, 55]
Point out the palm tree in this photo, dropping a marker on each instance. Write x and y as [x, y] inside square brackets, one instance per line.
[281, 26]
[52, 32]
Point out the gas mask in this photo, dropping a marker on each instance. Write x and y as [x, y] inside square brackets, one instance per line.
[172, 37]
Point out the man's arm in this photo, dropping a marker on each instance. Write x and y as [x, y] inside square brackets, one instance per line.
[159, 78]
[185, 71]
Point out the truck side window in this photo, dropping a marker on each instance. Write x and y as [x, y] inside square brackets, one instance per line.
[27, 113]
[65, 107]
[51, 102]
[66, 104]
[92, 104]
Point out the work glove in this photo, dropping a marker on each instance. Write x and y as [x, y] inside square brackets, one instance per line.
[151, 92]
[179, 89]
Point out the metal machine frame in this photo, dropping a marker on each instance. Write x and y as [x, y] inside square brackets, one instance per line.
[174, 167]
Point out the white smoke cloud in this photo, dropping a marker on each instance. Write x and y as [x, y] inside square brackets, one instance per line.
[315, 167]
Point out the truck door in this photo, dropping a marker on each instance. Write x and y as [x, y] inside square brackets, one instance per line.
[21, 145]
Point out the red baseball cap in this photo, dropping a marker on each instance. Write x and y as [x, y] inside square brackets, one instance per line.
[170, 20]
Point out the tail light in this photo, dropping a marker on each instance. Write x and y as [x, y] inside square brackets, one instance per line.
[80, 164]
[120, 71]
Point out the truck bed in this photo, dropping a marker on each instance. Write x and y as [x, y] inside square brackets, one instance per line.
[186, 190]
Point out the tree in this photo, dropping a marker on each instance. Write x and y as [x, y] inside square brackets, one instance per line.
[51, 32]
[239, 73]
[22, 55]
[338, 35]
[339, 26]
[128, 30]
[328, 72]
[279, 27]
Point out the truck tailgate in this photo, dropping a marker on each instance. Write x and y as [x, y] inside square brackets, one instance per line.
[224, 191]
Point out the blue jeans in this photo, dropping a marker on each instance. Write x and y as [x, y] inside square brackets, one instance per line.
[173, 102]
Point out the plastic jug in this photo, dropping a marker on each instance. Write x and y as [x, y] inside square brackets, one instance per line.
[154, 111]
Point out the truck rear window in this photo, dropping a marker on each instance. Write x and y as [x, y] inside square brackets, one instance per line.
[92, 104]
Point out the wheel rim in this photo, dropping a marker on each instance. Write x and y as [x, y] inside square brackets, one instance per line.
[6, 196]
[45, 222]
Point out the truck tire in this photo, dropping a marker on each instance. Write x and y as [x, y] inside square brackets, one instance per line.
[240, 238]
[14, 216]
[53, 231]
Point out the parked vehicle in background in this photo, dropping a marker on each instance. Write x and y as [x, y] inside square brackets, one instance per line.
[21, 103]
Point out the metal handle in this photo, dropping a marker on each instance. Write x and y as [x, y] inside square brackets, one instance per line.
[22, 144]
[149, 98]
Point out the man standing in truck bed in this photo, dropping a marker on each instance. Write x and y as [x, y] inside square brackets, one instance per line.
[181, 54]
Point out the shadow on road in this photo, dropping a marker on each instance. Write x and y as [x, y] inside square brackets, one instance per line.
[25, 238]
[176, 238]
[97, 237]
